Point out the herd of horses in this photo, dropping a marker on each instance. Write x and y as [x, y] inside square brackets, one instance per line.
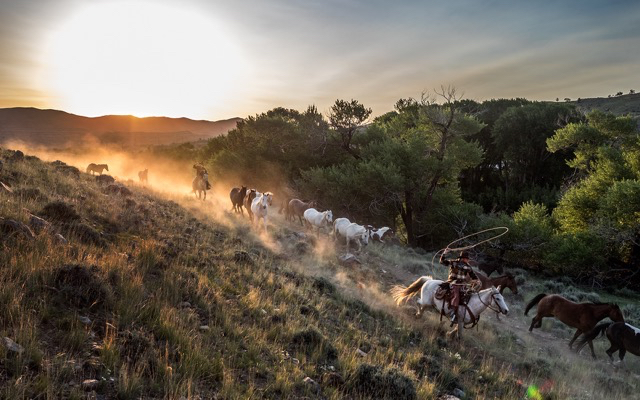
[307, 213]
[584, 317]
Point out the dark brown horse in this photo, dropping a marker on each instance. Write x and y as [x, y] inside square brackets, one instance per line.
[237, 199]
[297, 207]
[248, 198]
[582, 316]
[621, 336]
[504, 281]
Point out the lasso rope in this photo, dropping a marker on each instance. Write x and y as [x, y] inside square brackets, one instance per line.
[472, 245]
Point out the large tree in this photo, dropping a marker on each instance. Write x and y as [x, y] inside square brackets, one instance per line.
[603, 202]
[409, 161]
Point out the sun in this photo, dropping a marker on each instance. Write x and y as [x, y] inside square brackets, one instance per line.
[142, 59]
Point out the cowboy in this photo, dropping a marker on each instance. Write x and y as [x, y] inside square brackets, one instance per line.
[202, 173]
[460, 276]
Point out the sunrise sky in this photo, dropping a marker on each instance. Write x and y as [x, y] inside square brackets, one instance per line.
[217, 59]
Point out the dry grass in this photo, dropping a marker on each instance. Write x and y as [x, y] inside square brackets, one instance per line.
[185, 300]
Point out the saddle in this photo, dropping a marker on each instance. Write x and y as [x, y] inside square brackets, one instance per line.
[445, 293]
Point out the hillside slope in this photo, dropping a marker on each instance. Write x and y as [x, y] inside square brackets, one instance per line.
[627, 104]
[116, 291]
[55, 128]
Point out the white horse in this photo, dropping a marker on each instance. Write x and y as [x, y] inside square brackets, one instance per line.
[260, 207]
[340, 227]
[358, 234]
[318, 219]
[470, 314]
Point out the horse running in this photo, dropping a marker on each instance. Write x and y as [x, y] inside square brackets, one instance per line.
[260, 207]
[144, 176]
[237, 198]
[380, 234]
[199, 185]
[504, 281]
[469, 314]
[97, 168]
[297, 207]
[623, 337]
[318, 219]
[357, 233]
[582, 316]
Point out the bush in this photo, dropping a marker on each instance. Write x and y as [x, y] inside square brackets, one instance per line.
[578, 255]
[371, 381]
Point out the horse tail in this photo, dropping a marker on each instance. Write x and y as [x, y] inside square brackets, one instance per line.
[592, 334]
[533, 302]
[401, 294]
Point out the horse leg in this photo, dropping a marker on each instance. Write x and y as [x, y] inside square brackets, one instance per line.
[536, 322]
[621, 354]
[612, 349]
[593, 353]
[575, 336]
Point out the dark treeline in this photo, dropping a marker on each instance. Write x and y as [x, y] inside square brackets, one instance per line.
[565, 184]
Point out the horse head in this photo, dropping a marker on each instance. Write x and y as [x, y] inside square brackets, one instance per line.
[615, 314]
[511, 283]
[497, 298]
[269, 196]
[365, 236]
[328, 216]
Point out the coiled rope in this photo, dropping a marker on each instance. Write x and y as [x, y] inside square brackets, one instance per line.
[448, 248]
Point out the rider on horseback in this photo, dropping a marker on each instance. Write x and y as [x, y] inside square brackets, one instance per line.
[460, 276]
[201, 172]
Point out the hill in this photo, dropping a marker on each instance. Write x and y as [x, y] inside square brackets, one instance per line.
[114, 290]
[55, 128]
[627, 104]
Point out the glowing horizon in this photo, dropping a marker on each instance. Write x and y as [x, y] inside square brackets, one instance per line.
[218, 59]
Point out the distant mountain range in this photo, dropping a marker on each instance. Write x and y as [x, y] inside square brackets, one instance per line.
[54, 128]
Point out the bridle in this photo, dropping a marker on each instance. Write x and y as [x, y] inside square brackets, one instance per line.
[493, 299]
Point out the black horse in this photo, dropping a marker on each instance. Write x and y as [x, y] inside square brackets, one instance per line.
[237, 198]
[622, 337]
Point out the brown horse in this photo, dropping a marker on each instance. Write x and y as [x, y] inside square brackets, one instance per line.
[97, 168]
[248, 198]
[297, 207]
[237, 198]
[582, 316]
[504, 281]
[621, 336]
[144, 176]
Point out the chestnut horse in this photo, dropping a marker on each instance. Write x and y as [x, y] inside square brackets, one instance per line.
[582, 316]
[237, 198]
[504, 281]
[621, 336]
[297, 207]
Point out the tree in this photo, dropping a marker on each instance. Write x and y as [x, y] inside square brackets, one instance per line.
[408, 166]
[603, 204]
[346, 118]
[528, 171]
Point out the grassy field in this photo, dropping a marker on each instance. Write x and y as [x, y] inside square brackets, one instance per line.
[145, 293]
